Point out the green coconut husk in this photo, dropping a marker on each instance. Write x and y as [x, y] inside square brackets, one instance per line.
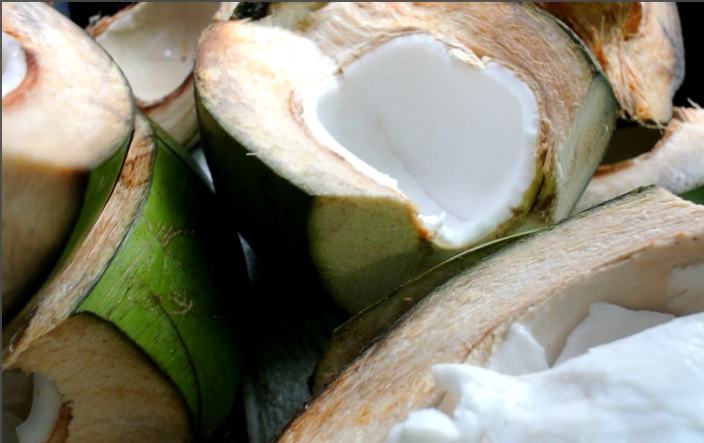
[131, 328]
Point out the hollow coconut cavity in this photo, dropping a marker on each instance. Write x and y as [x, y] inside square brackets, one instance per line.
[641, 252]
[395, 135]
[154, 45]
[460, 142]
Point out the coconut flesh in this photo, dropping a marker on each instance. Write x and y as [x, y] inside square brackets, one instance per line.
[14, 64]
[154, 45]
[632, 372]
[31, 407]
[459, 141]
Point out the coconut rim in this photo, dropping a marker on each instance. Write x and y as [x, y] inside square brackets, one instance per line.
[47, 68]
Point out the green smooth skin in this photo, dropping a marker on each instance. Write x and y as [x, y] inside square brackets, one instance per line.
[160, 292]
[350, 339]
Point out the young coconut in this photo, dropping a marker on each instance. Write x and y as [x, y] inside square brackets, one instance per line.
[65, 132]
[513, 313]
[128, 341]
[154, 44]
[639, 46]
[377, 139]
[676, 163]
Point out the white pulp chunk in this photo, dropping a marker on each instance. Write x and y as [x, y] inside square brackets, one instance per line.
[14, 64]
[459, 141]
[46, 406]
[648, 387]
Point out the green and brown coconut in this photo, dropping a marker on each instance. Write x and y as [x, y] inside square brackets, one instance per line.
[127, 339]
[154, 45]
[641, 251]
[375, 140]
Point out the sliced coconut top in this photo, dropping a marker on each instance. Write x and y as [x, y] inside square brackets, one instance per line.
[638, 44]
[423, 103]
[73, 108]
[154, 44]
[675, 163]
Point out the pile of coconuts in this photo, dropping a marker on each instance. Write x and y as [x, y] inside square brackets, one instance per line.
[217, 227]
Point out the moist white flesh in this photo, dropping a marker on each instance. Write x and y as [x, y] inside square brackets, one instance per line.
[154, 45]
[642, 388]
[458, 141]
[14, 64]
[45, 406]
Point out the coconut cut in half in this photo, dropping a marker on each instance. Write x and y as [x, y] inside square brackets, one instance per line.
[377, 139]
[65, 132]
[675, 163]
[129, 341]
[642, 251]
[154, 44]
[639, 46]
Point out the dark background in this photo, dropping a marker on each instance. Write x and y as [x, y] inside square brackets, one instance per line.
[690, 16]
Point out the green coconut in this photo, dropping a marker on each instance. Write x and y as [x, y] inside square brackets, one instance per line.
[130, 332]
[375, 140]
[641, 251]
[65, 132]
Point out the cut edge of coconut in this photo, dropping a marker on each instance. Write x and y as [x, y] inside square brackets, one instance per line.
[675, 163]
[77, 410]
[369, 119]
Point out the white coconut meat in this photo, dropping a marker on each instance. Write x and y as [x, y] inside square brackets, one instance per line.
[459, 141]
[154, 44]
[637, 389]
[612, 360]
[31, 409]
[14, 64]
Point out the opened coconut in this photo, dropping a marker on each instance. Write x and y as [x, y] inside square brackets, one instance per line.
[65, 132]
[154, 44]
[375, 140]
[506, 341]
[127, 338]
